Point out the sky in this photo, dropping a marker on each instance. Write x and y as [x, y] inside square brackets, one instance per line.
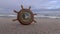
[35, 4]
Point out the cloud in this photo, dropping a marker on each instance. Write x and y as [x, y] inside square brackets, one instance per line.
[37, 4]
[42, 4]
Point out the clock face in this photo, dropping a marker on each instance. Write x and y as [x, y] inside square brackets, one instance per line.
[25, 16]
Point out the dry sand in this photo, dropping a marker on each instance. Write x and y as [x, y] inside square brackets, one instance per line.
[43, 26]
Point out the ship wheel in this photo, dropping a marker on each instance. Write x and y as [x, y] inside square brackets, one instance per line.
[25, 16]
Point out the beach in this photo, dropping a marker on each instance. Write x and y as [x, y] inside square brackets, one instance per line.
[43, 26]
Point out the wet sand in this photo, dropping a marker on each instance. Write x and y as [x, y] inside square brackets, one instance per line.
[43, 26]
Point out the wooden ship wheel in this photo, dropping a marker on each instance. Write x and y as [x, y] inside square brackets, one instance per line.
[25, 16]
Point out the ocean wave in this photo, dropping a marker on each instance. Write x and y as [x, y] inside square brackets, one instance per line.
[43, 16]
[8, 15]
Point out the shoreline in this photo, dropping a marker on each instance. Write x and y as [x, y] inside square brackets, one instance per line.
[43, 26]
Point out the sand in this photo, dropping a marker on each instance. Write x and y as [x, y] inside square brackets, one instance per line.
[43, 26]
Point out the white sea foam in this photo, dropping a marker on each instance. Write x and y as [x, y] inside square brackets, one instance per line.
[7, 15]
[12, 15]
[43, 16]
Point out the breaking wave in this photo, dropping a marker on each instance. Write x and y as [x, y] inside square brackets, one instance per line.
[42, 16]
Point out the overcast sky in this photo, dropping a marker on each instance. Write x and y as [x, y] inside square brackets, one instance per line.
[35, 4]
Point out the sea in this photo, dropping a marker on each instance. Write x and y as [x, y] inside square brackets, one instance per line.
[41, 14]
